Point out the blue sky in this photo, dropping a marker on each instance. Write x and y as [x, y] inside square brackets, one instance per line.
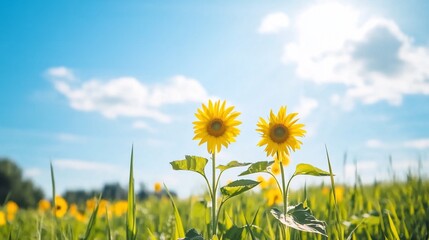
[83, 81]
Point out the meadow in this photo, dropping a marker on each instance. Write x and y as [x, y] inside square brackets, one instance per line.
[259, 205]
[385, 210]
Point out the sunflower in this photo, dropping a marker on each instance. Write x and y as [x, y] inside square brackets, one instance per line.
[120, 208]
[102, 206]
[339, 193]
[90, 205]
[157, 187]
[60, 206]
[44, 205]
[73, 209]
[11, 209]
[279, 134]
[2, 218]
[274, 196]
[262, 182]
[216, 125]
[275, 168]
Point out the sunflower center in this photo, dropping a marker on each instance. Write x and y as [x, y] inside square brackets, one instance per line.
[216, 127]
[279, 133]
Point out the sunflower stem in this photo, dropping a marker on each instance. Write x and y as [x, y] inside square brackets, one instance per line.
[278, 184]
[214, 188]
[285, 197]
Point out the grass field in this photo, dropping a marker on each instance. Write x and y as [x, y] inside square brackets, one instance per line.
[384, 210]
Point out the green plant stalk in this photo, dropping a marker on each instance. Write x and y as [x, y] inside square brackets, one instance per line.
[54, 209]
[278, 184]
[214, 194]
[218, 210]
[337, 213]
[131, 212]
[284, 193]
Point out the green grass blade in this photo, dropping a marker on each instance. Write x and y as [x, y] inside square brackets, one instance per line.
[131, 212]
[54, 225]
[108, 230]
[180, 231]
[392, 227]
[151, 236]
[270, 228]
[248, 226]
[53, 188]
[337, 215]
[92, 220]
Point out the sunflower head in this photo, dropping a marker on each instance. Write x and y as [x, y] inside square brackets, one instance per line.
[2, 218]
[274, 196]
[216, 125]
[120, 208]
[60, 206]
[11, 207]
[44, 205]
[275, 168]
[157, 187]
[262, 182]
[279, 134]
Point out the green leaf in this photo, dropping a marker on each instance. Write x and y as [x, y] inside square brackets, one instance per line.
[234, 233]
[237, 187]
[300, 218]
[192, 234]
[180, 231]
[371, 219]
[131, 212]
[307, 169]
[257, 167]
[191, 163]
[231, 164]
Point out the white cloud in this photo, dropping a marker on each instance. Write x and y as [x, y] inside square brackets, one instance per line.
[306, 106]
[375, 143]
[273, 23]
[32, 172]
[142, 125]
[128, 97]
[372, 57]
[418, 143]
[363, 167]
[80, 165]
[61, 72]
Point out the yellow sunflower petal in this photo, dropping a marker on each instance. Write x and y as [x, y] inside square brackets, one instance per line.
[216, 125]
[280, 133]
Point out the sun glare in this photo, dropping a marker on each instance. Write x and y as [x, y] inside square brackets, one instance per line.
[327, 26]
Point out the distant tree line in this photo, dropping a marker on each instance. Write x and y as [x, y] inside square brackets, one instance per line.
[14, 187]
[110, 191]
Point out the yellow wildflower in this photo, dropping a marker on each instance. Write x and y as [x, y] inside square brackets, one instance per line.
[157, 187]
[216, 125]
[279, 134]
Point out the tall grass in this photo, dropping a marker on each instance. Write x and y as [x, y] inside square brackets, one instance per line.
[391, 209]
